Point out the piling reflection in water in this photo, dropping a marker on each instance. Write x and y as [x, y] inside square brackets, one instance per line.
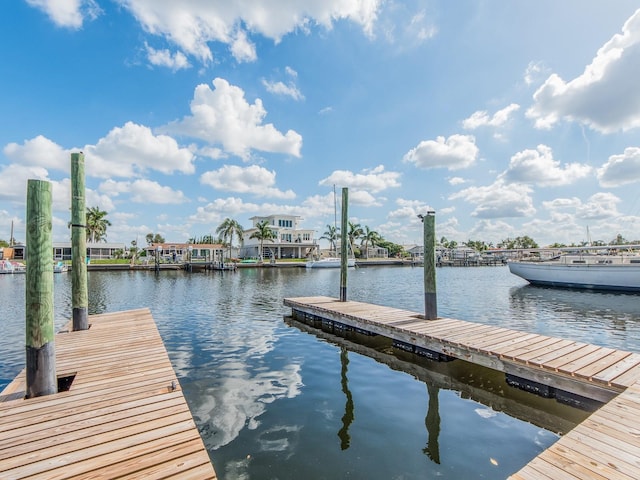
[347, 418]
[432, 422]
[473, 382]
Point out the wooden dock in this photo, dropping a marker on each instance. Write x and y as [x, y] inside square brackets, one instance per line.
[124, 415]
[605, 446]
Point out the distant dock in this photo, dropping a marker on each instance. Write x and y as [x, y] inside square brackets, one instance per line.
[605, 446]
[123, 416]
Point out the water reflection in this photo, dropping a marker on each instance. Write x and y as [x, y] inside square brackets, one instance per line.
[472, 382]
[270, 399]
[432, 422]
[347, 418]
[97, 289]
[602, 318]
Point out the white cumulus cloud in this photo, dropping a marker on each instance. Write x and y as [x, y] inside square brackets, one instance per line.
[254, 179]
[482, 118]
[606, 96]
[538, 167]
[143, 191]
[39, 151]
[498, 200]
[621, 169]
[193, 24]
[374, 180]
[68, 13]
[132, 149]
[223, 116]
[453, 153]
[164, 58]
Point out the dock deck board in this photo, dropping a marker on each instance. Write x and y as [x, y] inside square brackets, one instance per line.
[121, 417]
[605, 446]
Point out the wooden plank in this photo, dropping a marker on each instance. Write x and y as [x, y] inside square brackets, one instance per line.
[465, 334]
[589, 371]
[538, 357]
[585, 360]
[499, 336]
[570, 357]
[542, 359]
[629, 377]
[510, 343]
[535, 347]
[121, 414]
[609, 374]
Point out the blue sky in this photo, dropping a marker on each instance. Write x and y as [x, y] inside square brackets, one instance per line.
[506, 118]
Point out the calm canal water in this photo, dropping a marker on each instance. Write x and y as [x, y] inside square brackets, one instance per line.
[274, 399]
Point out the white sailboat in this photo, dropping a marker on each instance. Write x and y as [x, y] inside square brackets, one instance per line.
[582, 271]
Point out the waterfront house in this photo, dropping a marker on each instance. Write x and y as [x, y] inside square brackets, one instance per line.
[182, 252]
[374, 252]
[291, 241]
[62, 251]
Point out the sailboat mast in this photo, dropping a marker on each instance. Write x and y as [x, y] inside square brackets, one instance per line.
[335, 217]
[335, 211]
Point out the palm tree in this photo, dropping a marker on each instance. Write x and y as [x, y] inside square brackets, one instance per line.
[332, 234]
[96, 225]
[152, 238]
[369, 237]
[262, 233]
[227, 229]
[355, 232]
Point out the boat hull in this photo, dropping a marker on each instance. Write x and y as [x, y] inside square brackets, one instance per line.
[330, 263]
[622, 277]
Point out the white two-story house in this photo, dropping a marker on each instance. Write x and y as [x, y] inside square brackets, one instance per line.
[290, 240]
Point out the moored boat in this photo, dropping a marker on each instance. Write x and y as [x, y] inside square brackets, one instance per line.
[330, 262]
[584, 271]
[60, 267]
[7, 266]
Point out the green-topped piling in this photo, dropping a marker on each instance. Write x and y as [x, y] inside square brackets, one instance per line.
[40, 346]
[430, 297]
[80, 297]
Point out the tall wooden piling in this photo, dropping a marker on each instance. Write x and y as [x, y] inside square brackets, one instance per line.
[40, 345]
[344, 245]
[80, 297]
[430, 298]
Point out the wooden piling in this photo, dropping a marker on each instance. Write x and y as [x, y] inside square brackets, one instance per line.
[40, 345]
[430, 297]
[344, 245]
[79, 293]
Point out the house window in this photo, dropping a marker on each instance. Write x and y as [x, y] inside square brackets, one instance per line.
[306, 237]
[285, 237]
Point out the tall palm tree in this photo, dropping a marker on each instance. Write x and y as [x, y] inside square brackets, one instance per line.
[369, 237]
[332, 234]
[227, 229]
[97, 224]
[263, 232]
[355, 232]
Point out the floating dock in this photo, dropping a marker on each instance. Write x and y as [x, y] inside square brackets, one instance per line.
[605, 446]
[119, 411]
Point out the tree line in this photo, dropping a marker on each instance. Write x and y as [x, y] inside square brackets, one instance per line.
[364, 237]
